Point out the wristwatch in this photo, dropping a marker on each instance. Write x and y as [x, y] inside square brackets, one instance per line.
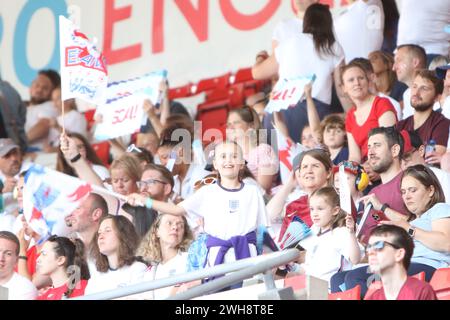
[76, 158]
[412, 231]
[383, 207]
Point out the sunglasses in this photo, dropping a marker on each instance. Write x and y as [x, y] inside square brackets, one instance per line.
[133, 148]
[205, 182]
[379, 245]
[143, 184]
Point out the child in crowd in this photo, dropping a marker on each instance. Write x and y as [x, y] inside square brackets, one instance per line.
[231, 209]
[330, 131]
[333, 245]
[64, 262]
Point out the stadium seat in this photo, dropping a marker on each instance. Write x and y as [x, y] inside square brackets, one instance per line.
[213, 83]
[352, 294]
[243, 75]
[236, 95]
[296, 282]
[89, 116]
[180, 92]
[441, 283]
[102, 151]
[213, 115]
[216, 94]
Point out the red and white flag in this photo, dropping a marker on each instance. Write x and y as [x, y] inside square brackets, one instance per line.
[287, 150]
[83, 68]
[48, 197]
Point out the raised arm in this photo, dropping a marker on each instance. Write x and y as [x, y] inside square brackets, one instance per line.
[149, 108]
[165, 102]
[136, 199]
[313, 116]
[276, 204]
[354, 150]
[265, 67]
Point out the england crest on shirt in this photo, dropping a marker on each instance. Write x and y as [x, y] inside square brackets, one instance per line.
[233, 205]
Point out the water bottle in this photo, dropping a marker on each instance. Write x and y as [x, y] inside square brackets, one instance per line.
[430, 147]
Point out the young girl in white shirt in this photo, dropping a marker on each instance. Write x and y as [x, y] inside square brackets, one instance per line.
[231, 209]
[333, 246]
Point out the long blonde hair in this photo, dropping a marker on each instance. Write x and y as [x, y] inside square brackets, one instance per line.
[150, 247]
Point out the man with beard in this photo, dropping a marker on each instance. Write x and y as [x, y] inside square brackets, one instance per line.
[385, 150]
[40, 109]
[10, 167]
[389, 251]
[429, 124]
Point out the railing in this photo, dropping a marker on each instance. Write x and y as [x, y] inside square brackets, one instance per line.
[243, 269]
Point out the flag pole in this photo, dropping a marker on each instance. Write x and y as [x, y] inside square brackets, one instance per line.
[105, 191]
[62, 114]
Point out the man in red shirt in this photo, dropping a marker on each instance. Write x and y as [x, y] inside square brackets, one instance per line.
[429, 124]
[389, 250]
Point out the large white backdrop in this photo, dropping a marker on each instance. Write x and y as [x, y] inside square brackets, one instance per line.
[192, 39]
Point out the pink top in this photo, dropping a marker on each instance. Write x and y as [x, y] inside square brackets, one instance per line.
[262, 160]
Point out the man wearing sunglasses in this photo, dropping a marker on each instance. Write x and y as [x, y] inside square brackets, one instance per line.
[389, 250]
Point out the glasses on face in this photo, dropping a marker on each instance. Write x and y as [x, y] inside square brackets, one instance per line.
[143, 184]
[379, 245]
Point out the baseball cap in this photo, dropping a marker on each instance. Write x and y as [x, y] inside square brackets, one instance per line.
[6, 145]
[442, 70]
[411, 141]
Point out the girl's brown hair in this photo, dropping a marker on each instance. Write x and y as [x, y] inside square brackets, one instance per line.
[332, 198]
[130, 164]
[428, 179]
[91, 156]
[128, 243]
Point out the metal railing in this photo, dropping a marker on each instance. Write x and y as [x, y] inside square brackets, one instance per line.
[241, 270]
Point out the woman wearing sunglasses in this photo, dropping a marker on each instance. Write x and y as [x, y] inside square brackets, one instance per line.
[429, 226]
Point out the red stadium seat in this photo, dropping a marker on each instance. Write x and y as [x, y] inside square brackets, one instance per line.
[243, 75]
[213, 115]
[217, 94]
[102, 151]
[180, 92]
[213, 83]
[441, 283]
[236, 95]
[296, 282]
[352, 294]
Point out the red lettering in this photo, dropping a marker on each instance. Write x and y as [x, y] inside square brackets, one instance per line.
[197, 18]
[158, 26]
[246, 22]
[117, 117]
[276, 95]
[113, 15]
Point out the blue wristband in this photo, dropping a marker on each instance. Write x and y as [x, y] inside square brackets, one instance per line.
[149, 203]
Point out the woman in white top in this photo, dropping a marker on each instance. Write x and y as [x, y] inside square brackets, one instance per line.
[114, 250]
[313, 51]
[165, 247]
